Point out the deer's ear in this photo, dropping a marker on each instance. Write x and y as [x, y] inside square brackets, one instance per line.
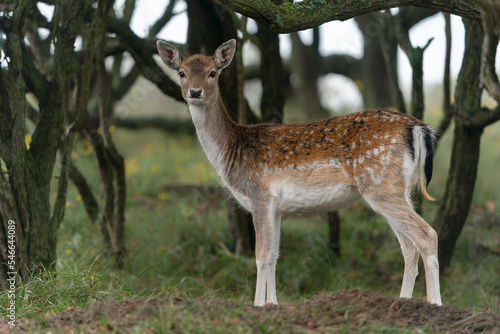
[224, 54]
[169, 54]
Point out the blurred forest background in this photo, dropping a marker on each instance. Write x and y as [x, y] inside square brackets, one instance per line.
[108, 186]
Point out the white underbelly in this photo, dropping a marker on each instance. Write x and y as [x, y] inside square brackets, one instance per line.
[293, 197]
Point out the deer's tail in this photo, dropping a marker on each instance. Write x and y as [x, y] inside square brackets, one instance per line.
[424, 144]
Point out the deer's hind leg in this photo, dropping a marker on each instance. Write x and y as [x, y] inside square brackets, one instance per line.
[410, 255]
[414, 235]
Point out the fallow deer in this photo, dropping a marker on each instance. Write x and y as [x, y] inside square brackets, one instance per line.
[272, 169]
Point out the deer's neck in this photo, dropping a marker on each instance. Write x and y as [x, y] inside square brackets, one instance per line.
[215, 129]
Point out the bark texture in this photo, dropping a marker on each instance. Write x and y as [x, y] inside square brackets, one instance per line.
[469, 125]
[455, 205]
[288, 17]
[271, 75]
[27, 167]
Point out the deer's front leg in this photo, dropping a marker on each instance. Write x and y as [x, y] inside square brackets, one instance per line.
[267, 224]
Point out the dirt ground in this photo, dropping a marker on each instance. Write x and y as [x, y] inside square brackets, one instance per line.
[349, 311]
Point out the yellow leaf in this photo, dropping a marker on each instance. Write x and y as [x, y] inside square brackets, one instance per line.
[27, 140]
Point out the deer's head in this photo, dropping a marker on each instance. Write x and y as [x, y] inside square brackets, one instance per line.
[198, 74]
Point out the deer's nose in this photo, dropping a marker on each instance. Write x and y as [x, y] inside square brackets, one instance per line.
[195, 93]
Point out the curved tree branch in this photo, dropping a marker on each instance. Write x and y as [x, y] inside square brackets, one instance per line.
[307, 14]
[144, 59]
[341, 64]
[85, 191]
[164, 19]
[484, 117]
[489, 79]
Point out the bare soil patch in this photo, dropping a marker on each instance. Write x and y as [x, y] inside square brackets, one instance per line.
[350, 311]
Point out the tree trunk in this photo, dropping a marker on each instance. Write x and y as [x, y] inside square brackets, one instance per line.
[374, 87]
[34, 246]
[113, 187]
[447, 106]
[457, 199]
[389, 47]
[333, 219]
[241, 228]
[26, 173]
[209, 26]
[455, 205]
[307, 65]
[271, 75]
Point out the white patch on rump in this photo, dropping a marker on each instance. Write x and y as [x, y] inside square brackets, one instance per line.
[410, 172]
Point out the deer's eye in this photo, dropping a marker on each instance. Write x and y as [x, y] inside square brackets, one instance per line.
[181, 74]
[212, 74]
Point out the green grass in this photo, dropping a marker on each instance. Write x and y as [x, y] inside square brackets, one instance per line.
[179, 244]
[50, 292]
